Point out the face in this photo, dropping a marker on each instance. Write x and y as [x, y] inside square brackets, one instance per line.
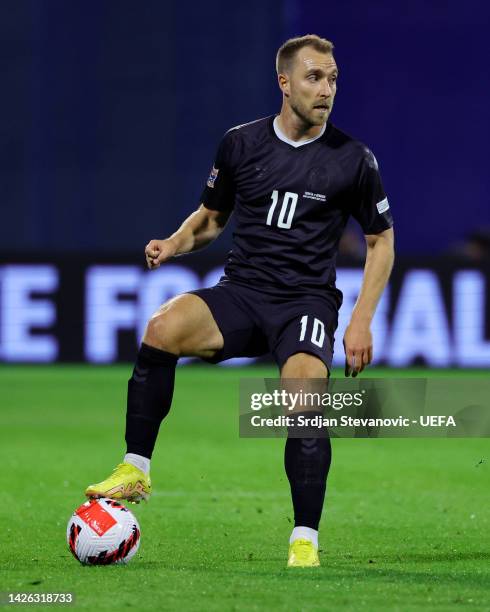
[311, 85]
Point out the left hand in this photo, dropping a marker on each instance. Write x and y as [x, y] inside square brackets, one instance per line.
[358, 347]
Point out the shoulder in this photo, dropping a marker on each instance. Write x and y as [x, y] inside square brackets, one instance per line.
[249, 132]
[257, 126]
[240, 139]
[354, 150]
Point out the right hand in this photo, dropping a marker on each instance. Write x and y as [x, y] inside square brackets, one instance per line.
[159, 251]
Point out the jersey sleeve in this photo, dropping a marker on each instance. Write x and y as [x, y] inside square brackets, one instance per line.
[219, 191]
[370, 205]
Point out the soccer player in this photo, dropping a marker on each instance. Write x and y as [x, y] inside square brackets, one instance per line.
[292, 180]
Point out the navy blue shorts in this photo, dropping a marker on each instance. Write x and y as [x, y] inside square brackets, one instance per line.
[254, 323]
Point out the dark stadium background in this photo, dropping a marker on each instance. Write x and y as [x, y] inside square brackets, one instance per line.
[111, 114]
[111, 111]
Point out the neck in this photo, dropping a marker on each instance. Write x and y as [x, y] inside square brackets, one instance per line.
[292, 126]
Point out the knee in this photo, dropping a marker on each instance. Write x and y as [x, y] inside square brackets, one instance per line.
[304, 365]
[164, 331]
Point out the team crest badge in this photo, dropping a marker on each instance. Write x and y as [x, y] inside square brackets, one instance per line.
[212, 177]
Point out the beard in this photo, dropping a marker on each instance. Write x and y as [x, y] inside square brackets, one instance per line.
[308, 115]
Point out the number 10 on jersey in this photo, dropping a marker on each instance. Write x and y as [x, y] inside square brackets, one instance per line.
[286, 212]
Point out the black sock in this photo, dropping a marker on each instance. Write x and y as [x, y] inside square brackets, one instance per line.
[307, 462]
[150, 391]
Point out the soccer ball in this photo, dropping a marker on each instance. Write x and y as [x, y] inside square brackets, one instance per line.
[102, 531]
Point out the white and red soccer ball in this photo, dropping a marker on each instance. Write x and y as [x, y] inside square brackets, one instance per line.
[102, 532]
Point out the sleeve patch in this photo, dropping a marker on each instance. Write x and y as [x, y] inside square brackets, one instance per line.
[382, 206]
[212, 177]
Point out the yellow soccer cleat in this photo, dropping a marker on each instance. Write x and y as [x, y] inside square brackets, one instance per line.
[126, 482]
[302, 553]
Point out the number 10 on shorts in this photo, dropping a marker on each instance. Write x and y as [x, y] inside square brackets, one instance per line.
[317, 330]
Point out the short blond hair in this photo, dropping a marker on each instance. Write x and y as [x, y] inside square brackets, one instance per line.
[288, 50]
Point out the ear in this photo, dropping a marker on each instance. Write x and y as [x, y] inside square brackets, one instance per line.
[284, 84]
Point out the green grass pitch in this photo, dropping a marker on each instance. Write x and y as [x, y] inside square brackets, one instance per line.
[405, 527]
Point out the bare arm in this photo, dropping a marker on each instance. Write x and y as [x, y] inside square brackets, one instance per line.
[358, 342]
[199, 229]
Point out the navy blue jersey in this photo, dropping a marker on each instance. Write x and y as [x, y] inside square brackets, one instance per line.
[291, 204]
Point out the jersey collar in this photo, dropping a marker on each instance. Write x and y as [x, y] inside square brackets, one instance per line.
[295, 143]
